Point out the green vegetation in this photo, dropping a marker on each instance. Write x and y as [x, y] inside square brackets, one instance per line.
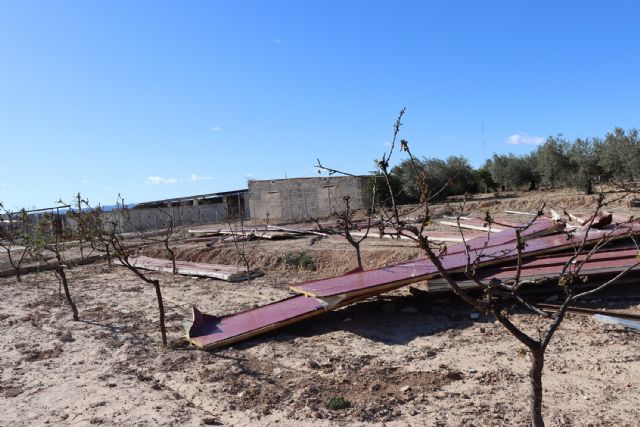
[300, 260]
[556, 163]
[336, 403]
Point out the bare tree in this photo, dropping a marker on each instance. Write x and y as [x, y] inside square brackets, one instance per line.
[241, 235]
[109, 236]
[163, 236]
[123, 254]
[496, 292]
[15, 238]
[346, 224]
[167, 246]
[52, 237]
[512, 292]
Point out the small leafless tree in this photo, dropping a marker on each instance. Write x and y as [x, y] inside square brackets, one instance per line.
[15, 238]
[112, 236]
[163, 236]
[246, 241]
[167, 246]
[123, 254]
[346, 223]
[50, 237]
[496, 292]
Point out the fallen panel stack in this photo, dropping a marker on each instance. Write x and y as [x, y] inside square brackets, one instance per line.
[457, 236]
[485, 252]
[544, 268]
[260, 232]
[229, 273]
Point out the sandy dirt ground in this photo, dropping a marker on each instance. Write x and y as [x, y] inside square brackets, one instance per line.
[398, 359]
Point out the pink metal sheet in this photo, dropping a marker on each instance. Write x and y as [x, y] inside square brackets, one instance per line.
[539, 227]
[610, 260]
[207, 330]
[413, 271]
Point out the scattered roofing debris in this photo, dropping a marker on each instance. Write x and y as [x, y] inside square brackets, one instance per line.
[606, 263]
[479, 224]
[591, 311]
[549, 246]
[633, 324]
[211, 331]
[392, 277]
[273, 232]
[472, 224]
[599, 220]
[521, 213]
[216, 271]
[248, 233]
[433, 236]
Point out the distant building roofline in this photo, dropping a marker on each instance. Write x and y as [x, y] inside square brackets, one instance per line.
[195, 197]
[310, 177]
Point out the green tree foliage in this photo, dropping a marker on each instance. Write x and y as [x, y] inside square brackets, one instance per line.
[484, 179]
[378, 187]
[514, 172]
[558, 162]
[444, 178]
[619, 155]
[584, 164]
[406, 175]
[462, 175]
[552, 161]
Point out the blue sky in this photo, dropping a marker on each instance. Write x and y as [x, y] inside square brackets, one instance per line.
[156, 99]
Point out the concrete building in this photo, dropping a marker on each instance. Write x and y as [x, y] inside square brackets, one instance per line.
[190, 210]
[301, 199]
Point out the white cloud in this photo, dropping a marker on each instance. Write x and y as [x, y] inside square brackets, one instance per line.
[195, 177]
[84, 181]
[160, 180]
[387, 144]
[277, 41]
[524, 139]
[215, 128]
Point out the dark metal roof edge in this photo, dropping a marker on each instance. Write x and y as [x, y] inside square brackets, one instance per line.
[198, 196]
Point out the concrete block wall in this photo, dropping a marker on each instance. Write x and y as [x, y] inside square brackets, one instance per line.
[131, 220]
[301, 199]
[143, 219]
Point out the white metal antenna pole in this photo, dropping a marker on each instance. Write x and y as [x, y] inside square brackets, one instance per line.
[484, 145]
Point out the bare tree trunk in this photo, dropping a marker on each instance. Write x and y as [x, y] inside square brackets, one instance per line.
[535, 375]
[357, 246]
[65, 285]
[109, 262]
[247, 266]
[173, 256]
[589, 186]
[15, 266]
[163, 330]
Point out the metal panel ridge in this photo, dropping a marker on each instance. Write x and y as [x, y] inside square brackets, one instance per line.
[395, 276]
